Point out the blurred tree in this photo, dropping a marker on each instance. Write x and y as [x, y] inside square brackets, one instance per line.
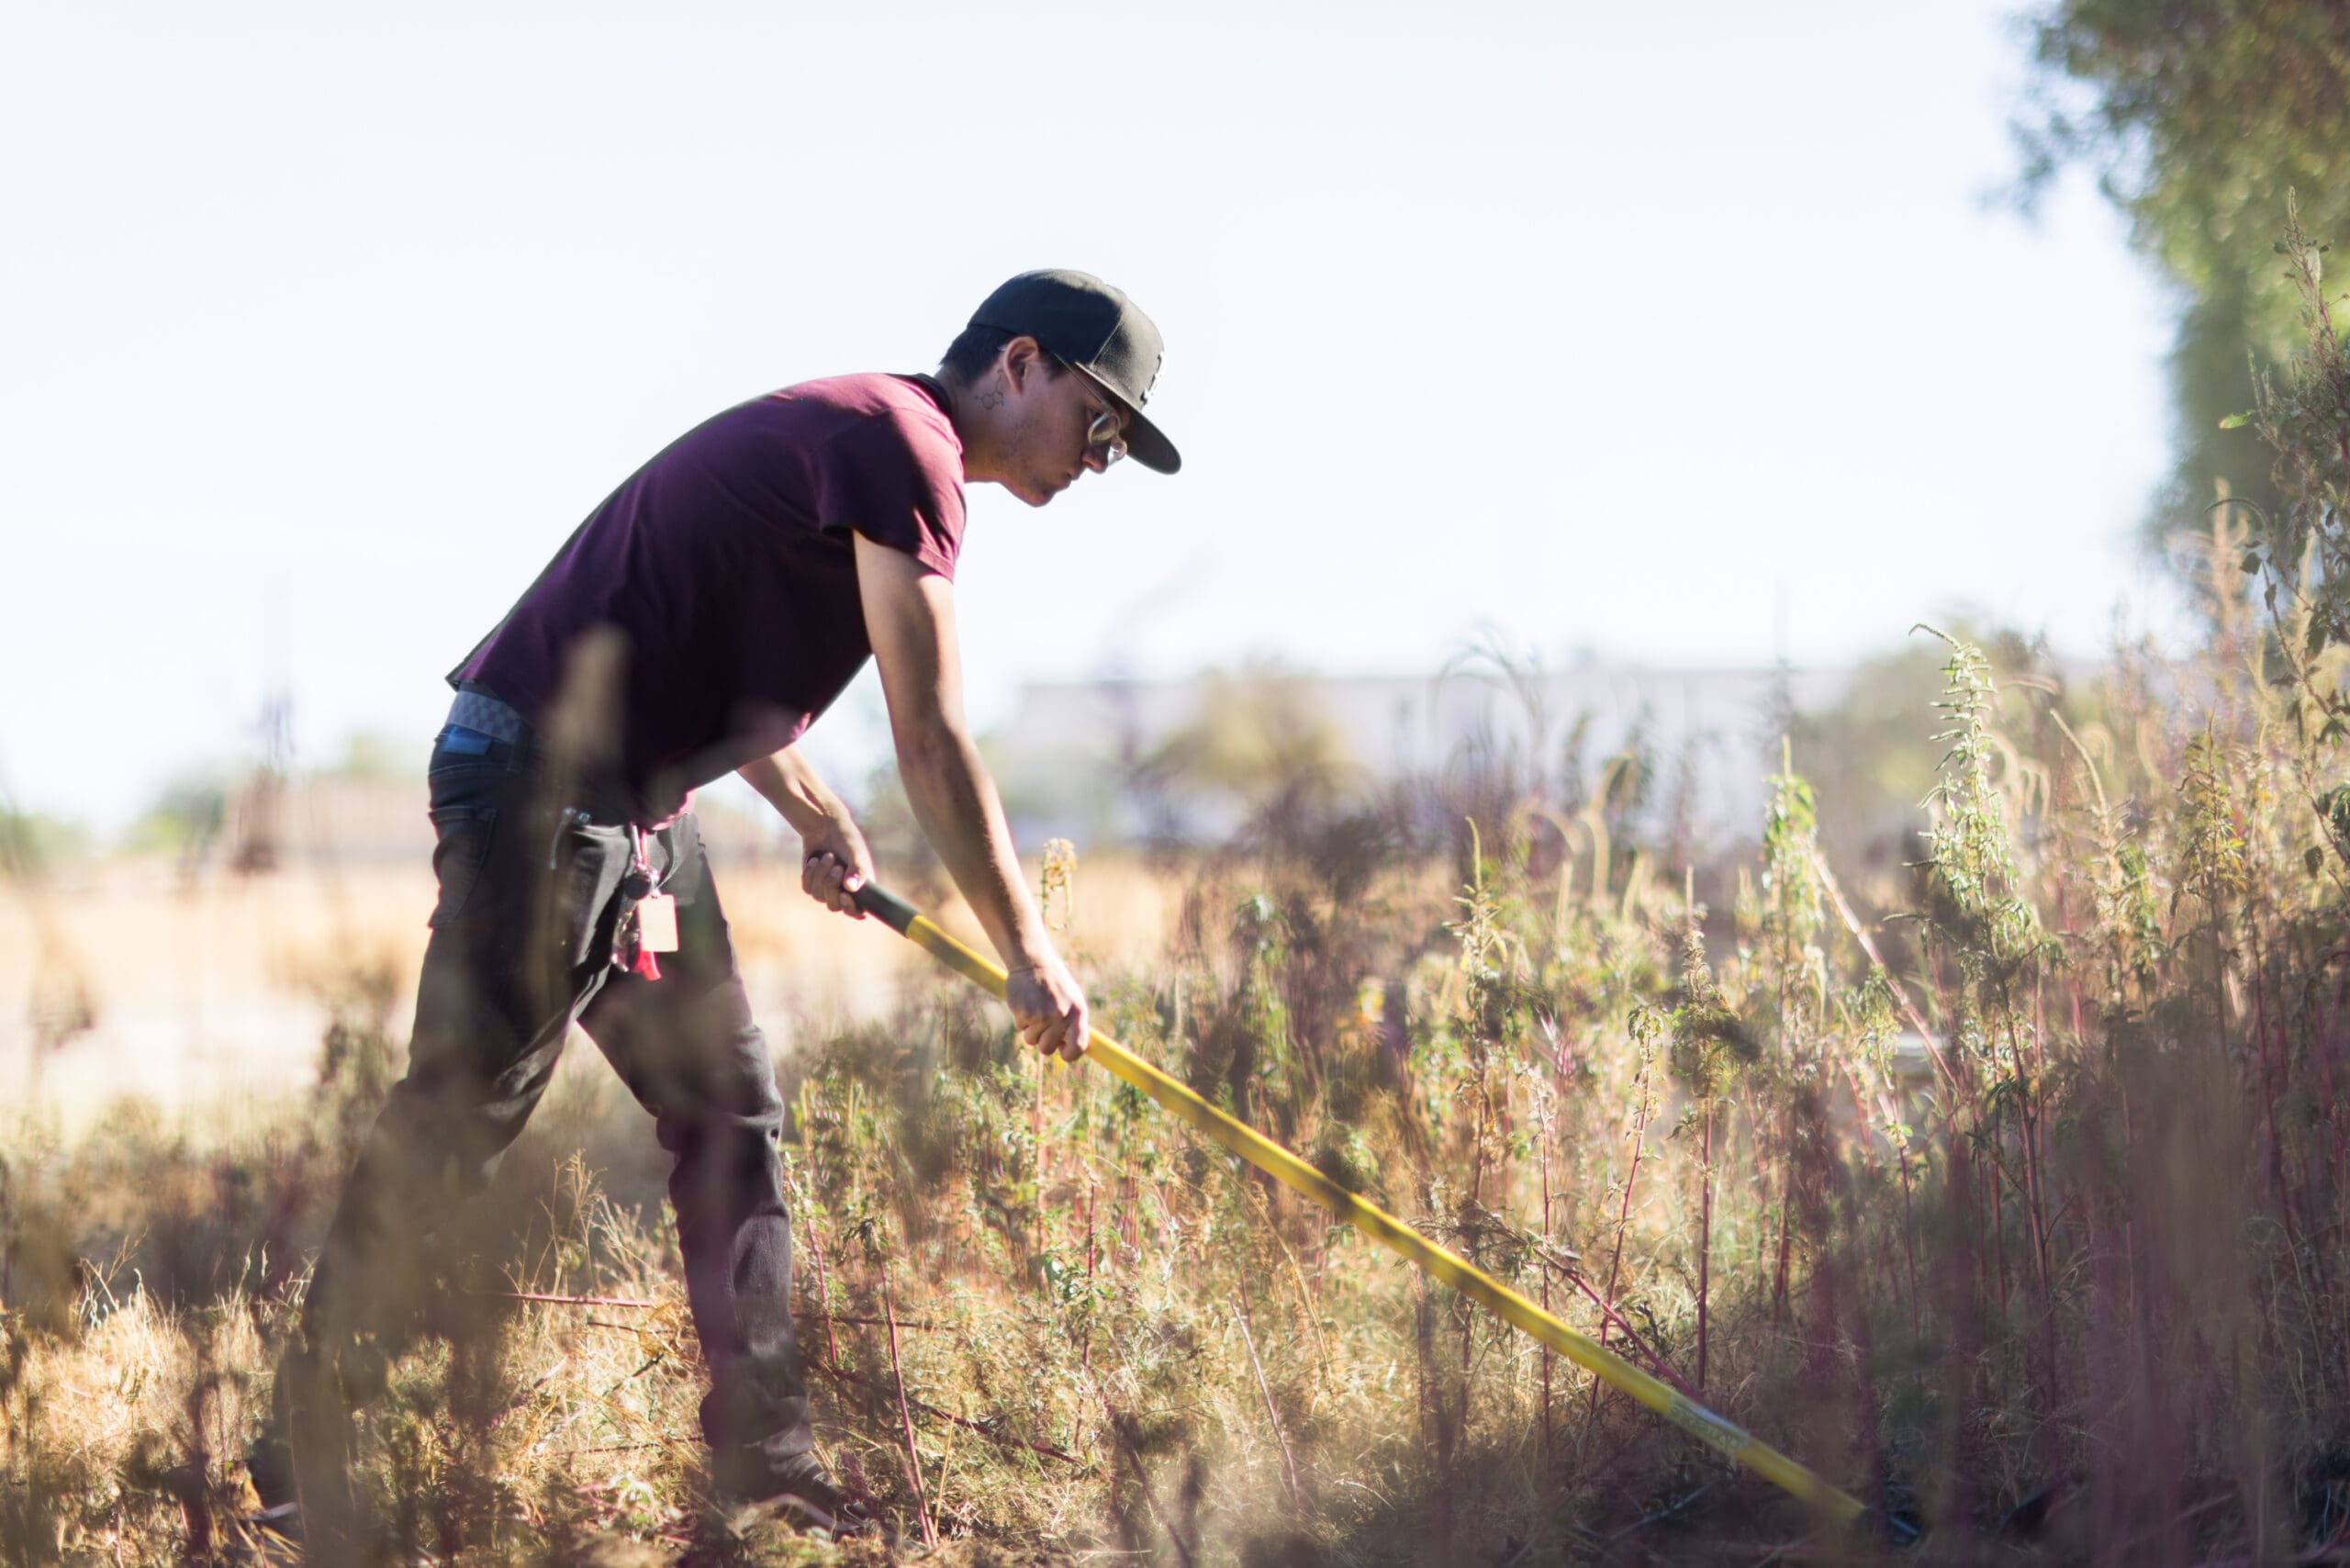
[185, 817]
[1261, 736]
[370, 754]
[2198, 116]
[32, 843]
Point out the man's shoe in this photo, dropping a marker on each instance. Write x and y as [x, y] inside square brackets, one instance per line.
[269, 1465]
[802, 1493]
[269, 1468]
[270, 1539]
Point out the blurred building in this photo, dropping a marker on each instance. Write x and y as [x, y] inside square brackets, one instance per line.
[1107, 761]
[1090, 758]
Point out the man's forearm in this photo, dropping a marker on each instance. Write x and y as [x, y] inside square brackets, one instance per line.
[960, 814]
[793, 789]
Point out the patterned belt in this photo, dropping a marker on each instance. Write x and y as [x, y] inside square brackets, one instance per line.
[480, 711]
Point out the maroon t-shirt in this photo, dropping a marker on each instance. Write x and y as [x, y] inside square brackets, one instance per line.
[726, 566]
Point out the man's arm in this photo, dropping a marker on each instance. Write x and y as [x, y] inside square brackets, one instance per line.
[909, 619]
[823, 822]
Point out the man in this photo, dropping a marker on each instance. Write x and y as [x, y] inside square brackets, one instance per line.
[696, 623]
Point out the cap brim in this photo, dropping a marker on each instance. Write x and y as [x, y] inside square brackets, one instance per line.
[1146, 443]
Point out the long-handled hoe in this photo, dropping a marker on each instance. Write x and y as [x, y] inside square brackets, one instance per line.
[1376, 1223]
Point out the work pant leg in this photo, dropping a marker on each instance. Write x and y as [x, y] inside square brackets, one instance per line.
[687, 1049]
[521, 940]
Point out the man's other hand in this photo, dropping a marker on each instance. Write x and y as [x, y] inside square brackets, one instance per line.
[1050, 1006]
[835, 864]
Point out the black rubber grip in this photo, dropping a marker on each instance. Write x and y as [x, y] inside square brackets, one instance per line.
[885, 907]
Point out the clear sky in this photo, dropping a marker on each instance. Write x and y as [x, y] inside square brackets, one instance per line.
[1680, 333]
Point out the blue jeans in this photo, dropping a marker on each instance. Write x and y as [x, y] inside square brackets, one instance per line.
[533, 878]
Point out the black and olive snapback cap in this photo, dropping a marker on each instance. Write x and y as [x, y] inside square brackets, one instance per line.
[1083, 322]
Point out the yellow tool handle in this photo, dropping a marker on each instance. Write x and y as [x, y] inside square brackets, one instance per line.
[1377, 1222]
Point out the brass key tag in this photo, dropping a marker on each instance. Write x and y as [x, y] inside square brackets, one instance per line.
[657, 924]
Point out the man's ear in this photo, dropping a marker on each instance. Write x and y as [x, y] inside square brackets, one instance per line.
[1024, 360]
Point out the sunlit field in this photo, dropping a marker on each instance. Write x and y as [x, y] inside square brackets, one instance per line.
[1921, 1051]
[206, 993]
[1995, 1187]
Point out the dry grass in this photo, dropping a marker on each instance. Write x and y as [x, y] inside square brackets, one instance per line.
[1079, 1290]
[2057, 1275]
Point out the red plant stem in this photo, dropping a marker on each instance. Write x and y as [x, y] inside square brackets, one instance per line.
[1893, 983]
[2327, 1045]
[1424, 1358]
[2269, 1020]
[2035, 1212]
[2036, 1108]
[816, 1256]
[2322, 1026]
[1787, 1204]
[2303, 1198]
[1609, 1316]
[1089, 1222]
[1543, 1124]
[804, 1313]
[2051, 1391]
[1476, 1197]
[1786, 1150]
[1085, 1338]
[816, 1261]
[905, 1417]
[1037, 1135]
[1976, 1228]
[1704, 1231]
[1909, 1241]
[2129, 1211]
[1997, 1187]
[1861, 1112]
[867, 1322]
[1624, 1214]
[1958, 1289]
[2027, 1112]
[2271, 1151]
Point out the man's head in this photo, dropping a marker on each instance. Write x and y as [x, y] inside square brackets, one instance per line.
[1049, 380]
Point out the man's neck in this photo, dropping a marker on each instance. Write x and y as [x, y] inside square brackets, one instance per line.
[964, 412]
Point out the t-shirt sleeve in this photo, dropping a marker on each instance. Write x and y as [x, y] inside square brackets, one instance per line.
[897, 483]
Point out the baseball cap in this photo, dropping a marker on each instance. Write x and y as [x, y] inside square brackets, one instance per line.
[1079, 319]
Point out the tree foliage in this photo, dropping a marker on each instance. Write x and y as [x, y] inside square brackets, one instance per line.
[2300, 542]
[2198, 117]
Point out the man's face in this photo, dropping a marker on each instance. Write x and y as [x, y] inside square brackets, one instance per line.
[1060, 425]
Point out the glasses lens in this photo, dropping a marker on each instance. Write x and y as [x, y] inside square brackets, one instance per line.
[1105, 435]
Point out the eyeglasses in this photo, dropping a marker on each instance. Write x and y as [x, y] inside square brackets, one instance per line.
[1107, 435]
